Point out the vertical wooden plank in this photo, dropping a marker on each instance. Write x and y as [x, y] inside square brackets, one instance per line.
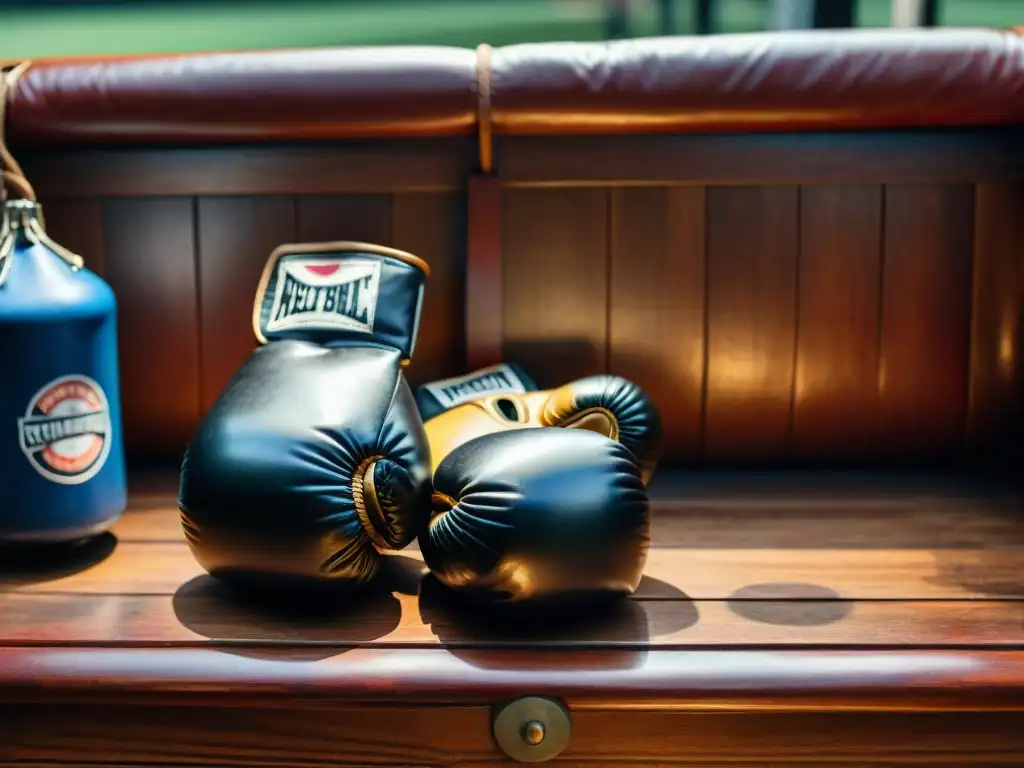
[484, 295]
[926, 297]
[656, 333]
[996, 372]
[235, 237]
[150, 264]
[836, 397]
[365, 218]
[555, 267]
[77, 224]
[432, 226]
[752, 263]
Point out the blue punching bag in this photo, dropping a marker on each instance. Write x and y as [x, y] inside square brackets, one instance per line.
[62, 474]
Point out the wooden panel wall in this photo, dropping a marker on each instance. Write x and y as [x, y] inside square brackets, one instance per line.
[782, 297]
[855, 304]
[185, 266]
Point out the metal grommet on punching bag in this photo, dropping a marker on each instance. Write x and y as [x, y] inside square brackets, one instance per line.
[62, 473]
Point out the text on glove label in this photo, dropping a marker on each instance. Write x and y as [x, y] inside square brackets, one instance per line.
[497, 380]
[66, 430]
[325, 294]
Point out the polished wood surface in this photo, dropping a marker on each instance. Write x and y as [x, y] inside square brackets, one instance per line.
[785, 618]
[461, 735]
[838, 300]
[369, 167]
[785, 298]
[897, 157]
[994, 415]
[765, 570]
[149, 261]
[656, 302]
[924, 354]
[484, 327]
[750, 322]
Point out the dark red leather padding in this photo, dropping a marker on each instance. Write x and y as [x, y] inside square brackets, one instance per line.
[761, 82]
[815, 80]
[295, 94]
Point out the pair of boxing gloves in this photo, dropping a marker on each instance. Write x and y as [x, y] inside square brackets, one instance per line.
[317, 457]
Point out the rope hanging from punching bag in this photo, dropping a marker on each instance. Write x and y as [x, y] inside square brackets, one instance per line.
[10, 172]
[14, 181]
[13, 175]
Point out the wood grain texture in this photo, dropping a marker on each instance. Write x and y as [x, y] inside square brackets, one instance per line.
[372, 167]
[593, 280]
[485, 295]
[351, 736]
[149, 261]
[926, 306]
[751, 315]
[672, 572]
[783, 511]
[77, 224]
[555, 260]
[200, 612]
[870, 157]
[328, 218]
[995, 387]
[858, 563]
[835, 402]
[656, 304]
[846, 738]
[715, 508]
[432, 226]
[355, 736]
[236, 236]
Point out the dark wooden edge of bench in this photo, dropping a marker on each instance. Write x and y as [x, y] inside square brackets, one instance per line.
[692, 680]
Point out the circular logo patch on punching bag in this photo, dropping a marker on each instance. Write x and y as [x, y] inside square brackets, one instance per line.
[65, 432]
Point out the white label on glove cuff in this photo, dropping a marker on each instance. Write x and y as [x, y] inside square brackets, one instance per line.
[496, 380]
[325, 294]
[65, 433]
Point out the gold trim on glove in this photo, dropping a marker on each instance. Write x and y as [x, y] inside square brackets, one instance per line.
[364, 496]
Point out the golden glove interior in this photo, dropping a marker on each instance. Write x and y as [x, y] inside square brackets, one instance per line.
[609, 405]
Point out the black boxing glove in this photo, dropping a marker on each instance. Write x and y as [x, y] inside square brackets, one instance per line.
[545, 517]
[503, 397]
[313, 460]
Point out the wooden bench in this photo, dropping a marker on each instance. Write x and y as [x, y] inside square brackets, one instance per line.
[806, 246]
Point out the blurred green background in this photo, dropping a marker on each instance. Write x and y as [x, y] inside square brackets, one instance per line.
[37, 30]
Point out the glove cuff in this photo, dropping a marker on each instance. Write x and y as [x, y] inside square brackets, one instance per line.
[444, 394]
[341, 292]
[383, 494]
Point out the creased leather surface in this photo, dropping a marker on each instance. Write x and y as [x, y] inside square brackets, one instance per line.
[812, 79]
[766, 81]
[291, 94]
